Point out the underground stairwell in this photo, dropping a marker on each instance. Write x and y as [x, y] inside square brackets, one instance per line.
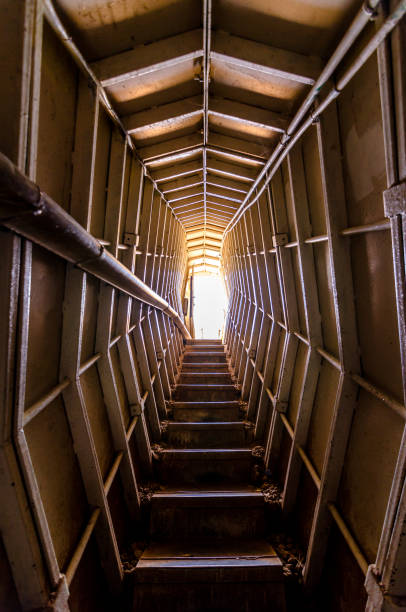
[207, 547]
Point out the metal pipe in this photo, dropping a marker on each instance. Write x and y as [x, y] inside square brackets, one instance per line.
[34, 215]
[349, 538]
[309, 465]
[88, 363]
[381, 395]
[359, 22]
[81, 547]
[42, 403]
[377, 226]
[113, 471]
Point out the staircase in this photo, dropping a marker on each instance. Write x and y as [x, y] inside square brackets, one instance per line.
[207, 549]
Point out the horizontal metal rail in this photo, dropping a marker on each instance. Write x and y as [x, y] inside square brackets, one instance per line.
[34, 215]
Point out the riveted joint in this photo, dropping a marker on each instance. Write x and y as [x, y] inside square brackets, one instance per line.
[135, 409]
[279, 240]
[131, 239]
[281, 406]
[394, 200]
[369, 10]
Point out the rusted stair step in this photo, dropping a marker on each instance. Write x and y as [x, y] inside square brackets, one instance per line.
[197, 341]
[206, 411]
[206, 378]
[205, 393]
[218, 514]
[193, 576]
[232, 434]
[199, 356]
[205, 366]
[202, 466]
[205, 348]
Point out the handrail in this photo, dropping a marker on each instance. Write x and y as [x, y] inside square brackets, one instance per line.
[33, 214]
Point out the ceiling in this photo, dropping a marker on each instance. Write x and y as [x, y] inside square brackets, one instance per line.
[206, 89]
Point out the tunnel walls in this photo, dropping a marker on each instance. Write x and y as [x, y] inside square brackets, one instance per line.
[315, 271]
[85, 370]
[315, 330]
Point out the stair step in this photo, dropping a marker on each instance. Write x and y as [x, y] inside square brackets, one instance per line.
[196, 577]
[205, 366]
[198, 356]
[204, 348]
[200, 466]
[197, 341]
[206, 378]
[206, 411]
[208, 435]
[209, 393]
[222, 514]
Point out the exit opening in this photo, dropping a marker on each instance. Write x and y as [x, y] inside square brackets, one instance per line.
[209, 306]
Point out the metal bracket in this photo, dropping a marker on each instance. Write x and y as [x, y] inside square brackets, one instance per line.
[279, 239]
[378, 600]
[394, 200]
[371, 12]
[59, 599]
[280, 406]
[131, 239]
[135, 409]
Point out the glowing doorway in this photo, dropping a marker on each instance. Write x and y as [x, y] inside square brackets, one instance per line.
[209, 305]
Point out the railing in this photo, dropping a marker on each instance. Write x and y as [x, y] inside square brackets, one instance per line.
[34, 215]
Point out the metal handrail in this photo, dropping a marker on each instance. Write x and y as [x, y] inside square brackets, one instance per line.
[33, 214]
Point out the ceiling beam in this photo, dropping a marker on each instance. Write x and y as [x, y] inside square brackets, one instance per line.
[225, 183]
[213, 214]
[203, 249]
[216, 241]
[251, 115]
[225, 194]
[193, 208]
[193, 220]
[239, 158]
[177, 197]
[174, 158]
[144, 59]
[222, 207]
[203, 268]
[174, 172]
[182, 183]
[165, 115]
[238, 173]
[243, 53]
[234, 50]
[239, 145]
[203, 257]
[197, 243]
[215, 232]
[175, 145]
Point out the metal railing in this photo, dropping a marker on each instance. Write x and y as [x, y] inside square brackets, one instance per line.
[33, 214]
